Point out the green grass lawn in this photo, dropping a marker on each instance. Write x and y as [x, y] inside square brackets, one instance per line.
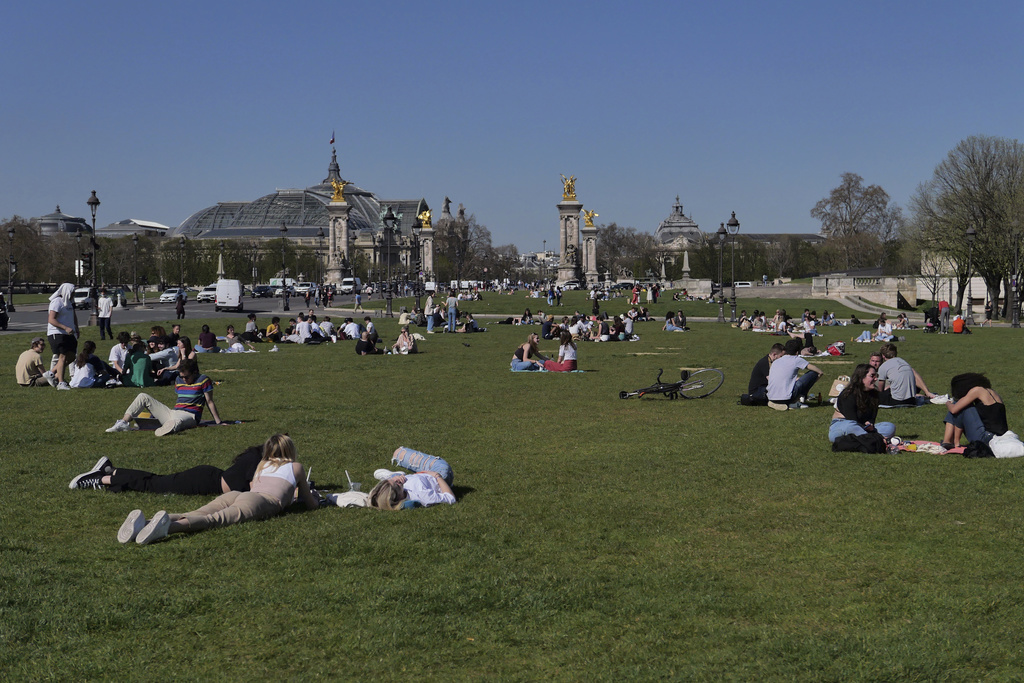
[595, 538]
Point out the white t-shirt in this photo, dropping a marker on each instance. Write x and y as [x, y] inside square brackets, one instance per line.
[106, 305]
[303, 331]
[118, 354]
[82, 377]
[327, 327]
[567, 352]
[782, 377]
[352, 330]
[65, 316]
[425, 490]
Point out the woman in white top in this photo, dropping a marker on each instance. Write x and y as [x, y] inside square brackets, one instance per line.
[566, 355]
[272, 489]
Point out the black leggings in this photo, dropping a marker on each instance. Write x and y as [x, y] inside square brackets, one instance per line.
[204, 480]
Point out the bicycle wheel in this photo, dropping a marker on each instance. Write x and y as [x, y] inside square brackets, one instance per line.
[702, 383]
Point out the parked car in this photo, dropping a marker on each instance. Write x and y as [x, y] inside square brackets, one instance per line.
[82, 299]
[303, 287]
[171, 295]
[572, 284]
[261, 292]
[208, 294]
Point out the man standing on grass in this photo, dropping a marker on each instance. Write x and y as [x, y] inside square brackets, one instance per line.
[785, 390]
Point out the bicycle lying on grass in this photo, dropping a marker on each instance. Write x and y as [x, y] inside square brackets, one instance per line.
[697, 384]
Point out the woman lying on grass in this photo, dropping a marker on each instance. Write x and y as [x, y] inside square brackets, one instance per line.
[978, 411]
[272, 488]
[857, 407]
[397, 491]
[202, 480]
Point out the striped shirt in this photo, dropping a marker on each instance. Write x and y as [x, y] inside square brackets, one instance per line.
[192, 396]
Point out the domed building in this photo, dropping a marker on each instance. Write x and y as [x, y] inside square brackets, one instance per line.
[305, 214]
[59, 222]
[678, 232]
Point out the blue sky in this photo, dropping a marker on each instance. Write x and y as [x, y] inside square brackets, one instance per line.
[751, 107]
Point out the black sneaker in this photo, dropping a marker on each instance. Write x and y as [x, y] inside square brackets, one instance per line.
[103, 465]
[87, 480]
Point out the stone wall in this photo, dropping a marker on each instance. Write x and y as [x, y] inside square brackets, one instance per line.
[880, 290]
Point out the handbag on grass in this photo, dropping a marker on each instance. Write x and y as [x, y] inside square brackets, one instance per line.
[838, 384]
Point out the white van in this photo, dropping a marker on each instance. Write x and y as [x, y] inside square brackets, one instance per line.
[350, 284]
[229, 295]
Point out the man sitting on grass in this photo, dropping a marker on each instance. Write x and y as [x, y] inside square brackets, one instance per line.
[757, 389]
[29, 371]
[785, 391]
[900, 381]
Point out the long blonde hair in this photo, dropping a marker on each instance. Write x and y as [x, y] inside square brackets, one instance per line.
[277, 451]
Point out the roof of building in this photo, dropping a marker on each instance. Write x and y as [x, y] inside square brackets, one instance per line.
[58, 221]
[302, 211]
[678, 225]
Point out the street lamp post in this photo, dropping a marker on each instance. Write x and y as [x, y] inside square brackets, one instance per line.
[543, 258]
[389, 220]
[181, 263]
[1014, 294]
[135, 266]
[971, 235]
[416, 229]
[94, 204]
[722, 232]
[284, 268]
[11, 265]
[78, 263]
[734, 228]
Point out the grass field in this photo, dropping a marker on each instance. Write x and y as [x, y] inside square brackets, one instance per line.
[594, 538]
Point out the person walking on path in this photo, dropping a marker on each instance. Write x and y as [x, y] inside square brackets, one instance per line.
[179, 307]
[359, 302]
[105, 305]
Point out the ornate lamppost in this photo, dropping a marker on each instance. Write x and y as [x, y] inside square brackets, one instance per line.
[722, 232]
[389, 220]
[734, 228]
[181, 264]
[12, 265]
[94, 204]
[971, 235]
[543, 260]
[78, 263]
[135, 265]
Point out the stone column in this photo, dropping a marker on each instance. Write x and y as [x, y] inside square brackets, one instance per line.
[427, 250]
[338, 241]
[588, 236]
[570, 259]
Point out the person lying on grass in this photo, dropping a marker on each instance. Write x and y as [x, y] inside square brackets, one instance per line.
[202, 480]
[272, 489]
[194, 392]
[857, 407]
[397, 491]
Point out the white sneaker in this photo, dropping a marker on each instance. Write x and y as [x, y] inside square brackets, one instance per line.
[63, 386]
[778, 406]
[155, 530]
[119, 426]
[51, 380]
[133, 524]
[273, 349]
[382, 474]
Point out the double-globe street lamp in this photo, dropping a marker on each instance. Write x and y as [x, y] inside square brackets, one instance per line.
[971, 235]
[722, 232]
[135, 265]
[734, 228]
[94, 317]
[284, 268]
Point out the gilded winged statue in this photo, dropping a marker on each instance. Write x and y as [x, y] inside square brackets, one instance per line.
[568, 187]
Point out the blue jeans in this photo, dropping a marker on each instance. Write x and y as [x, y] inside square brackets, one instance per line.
[669, 327]
[970, 422]
[452, 318]
[841, 427]
[430, 323]
[524, 365]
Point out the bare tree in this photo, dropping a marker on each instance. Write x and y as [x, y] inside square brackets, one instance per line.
[859, 220]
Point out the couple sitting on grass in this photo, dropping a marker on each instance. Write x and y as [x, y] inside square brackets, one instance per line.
[528, 356]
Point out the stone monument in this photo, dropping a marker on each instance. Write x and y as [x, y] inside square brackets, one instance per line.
[588, 238]
[338, 240]
[427, 244]
[569, 266]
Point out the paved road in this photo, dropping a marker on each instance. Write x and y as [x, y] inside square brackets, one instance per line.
[32, 317]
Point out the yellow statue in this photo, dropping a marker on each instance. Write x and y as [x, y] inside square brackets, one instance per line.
[568, 187]
[339, 190]
[425, 219]
[588, 218]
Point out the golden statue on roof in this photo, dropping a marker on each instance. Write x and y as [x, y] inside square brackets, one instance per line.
[339, 190]
[588, 218]
[568, 187]
[425, 220]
